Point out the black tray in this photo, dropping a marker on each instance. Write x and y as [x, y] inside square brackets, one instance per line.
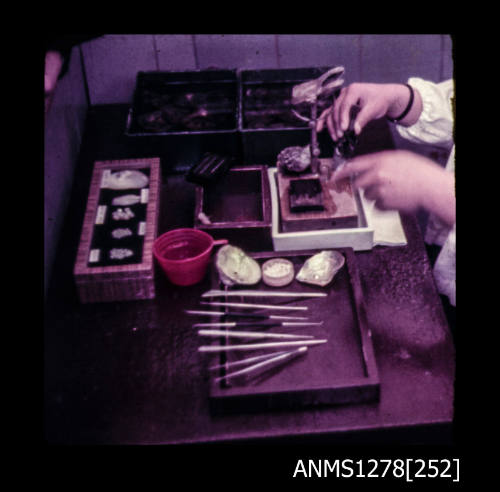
[178, 96]
[341, 371]
[216, 91]
[266, 122]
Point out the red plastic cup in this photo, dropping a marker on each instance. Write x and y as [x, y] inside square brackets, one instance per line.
[184, 254]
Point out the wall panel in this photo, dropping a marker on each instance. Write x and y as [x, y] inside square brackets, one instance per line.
[246, 51]
[394, 58]
[175, 52]
[321, 50]
[112, 62]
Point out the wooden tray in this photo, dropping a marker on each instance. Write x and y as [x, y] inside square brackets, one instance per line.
[340, 209]
[117, 280]
[343, 370]
[239, 208]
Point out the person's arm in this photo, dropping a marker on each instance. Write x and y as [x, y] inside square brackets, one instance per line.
[434, 126]
[401, 99]
[405, 181]
[375, 101]
[440, 198]
[53, 66]
[57, 58]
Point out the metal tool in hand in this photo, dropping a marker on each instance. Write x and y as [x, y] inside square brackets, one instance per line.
[345, 147]
[309, 93]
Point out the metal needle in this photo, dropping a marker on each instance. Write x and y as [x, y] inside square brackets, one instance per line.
[255, 346]
[259, 365]
[256, 306]
[261, 293]
[248, 334]
[245, 315]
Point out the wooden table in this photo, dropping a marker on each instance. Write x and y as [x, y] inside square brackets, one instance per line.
[129, 372]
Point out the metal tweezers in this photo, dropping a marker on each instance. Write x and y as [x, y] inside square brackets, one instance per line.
[258, 362]
[345, 147]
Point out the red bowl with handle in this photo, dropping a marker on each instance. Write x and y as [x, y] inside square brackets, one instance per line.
[184, 254]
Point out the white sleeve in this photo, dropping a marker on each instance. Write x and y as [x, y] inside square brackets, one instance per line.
[435, 124]
[445, 268]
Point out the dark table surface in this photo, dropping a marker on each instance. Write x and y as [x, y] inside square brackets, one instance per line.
[129, 372]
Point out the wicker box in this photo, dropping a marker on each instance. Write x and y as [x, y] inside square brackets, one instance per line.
[101, 272]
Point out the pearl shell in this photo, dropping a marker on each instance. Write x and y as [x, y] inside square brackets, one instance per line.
[236, 267]
[320, 268]
[124, 180]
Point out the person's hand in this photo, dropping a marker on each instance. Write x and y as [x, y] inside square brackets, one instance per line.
[404, 181]
[53, 65]
[375, 101]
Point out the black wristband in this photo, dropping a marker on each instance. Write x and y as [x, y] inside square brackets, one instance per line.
[408, 107]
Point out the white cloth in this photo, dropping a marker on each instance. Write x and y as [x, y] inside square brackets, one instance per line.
[435, 127]
[386, 224]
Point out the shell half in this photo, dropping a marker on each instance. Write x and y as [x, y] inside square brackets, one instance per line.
[320, 268]
[235, 267]
[124, 180]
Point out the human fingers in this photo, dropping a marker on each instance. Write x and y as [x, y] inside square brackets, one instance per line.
[365, 179]
[374, 193]
[365, 115]
[335, 117]
[357, 165]
[331, 126]
[326, 118]
[320, 124]
[378, 194]
[350, 99]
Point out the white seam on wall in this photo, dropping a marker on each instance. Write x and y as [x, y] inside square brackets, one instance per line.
[155, 49]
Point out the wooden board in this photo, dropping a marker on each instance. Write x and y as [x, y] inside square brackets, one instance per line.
[340, 210]
[343, 370]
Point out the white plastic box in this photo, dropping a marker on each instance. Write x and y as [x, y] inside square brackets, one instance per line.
[359, 238]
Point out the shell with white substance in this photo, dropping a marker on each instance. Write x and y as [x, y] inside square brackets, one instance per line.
[277, 272]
